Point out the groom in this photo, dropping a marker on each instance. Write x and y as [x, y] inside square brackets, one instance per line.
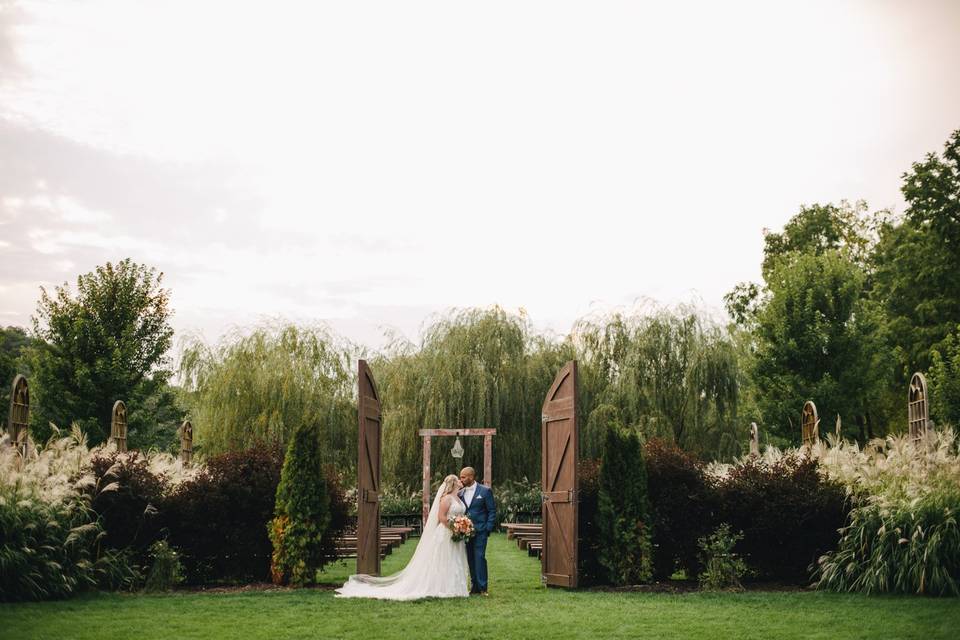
[482, 511]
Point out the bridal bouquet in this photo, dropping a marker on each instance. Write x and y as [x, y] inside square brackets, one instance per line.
[462, 528]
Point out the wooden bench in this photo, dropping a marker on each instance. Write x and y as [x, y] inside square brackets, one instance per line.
[403, 532]
[513, 528]
[524, 539]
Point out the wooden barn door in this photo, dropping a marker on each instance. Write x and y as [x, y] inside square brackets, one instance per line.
[560, 439]
[368, 474]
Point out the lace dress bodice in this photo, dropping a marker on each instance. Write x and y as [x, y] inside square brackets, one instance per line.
[457, 508]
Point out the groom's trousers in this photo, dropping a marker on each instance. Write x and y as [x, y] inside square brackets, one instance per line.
[477, 559]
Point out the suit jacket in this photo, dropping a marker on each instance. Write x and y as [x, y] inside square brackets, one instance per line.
[482, 510]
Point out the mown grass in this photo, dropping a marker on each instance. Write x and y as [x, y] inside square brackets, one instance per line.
[518, 607]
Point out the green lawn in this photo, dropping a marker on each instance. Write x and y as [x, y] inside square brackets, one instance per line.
[518, 607]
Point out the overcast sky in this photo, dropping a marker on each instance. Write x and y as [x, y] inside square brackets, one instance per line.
[368, 164]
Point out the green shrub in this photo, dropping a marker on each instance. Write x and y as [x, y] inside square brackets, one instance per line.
[397, 500]
[218, 519]
[518, 497]
[128, 513]
[788, 511]
[623, 520]
[591, 572]
[683, 502]
[722, 568]
[166, 571]
[945, 380]
[302, 513]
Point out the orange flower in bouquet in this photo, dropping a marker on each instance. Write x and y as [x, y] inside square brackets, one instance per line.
[462, 528]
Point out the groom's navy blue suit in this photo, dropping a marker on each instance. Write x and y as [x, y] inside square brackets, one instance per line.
[482, 511]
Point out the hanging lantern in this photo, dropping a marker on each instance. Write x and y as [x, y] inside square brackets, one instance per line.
[457, 451]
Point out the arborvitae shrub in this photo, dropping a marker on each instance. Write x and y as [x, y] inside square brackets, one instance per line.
[623, 511]
[302, 513]
[590, 570]
[682, 504]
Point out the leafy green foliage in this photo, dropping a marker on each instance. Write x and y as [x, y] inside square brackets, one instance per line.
[683, 503]
[473, 368]
[722, 567]
[588, 549]
[945, 380]
[13, 343]
[165, 570]
[673, 374]
[128, 513]
[623, 511]
[818, 337]
[107, 342]
[217, 520]
[263, 386]
[518, 500]
[302, 513]
[788, 512]
[917, 260]
[818, 230]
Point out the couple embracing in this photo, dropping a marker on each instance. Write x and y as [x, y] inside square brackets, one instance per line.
[442, 559]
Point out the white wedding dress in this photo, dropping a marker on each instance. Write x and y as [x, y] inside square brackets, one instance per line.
[438, 568]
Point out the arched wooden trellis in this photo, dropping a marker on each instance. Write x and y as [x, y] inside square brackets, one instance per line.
[918, 406]
[18, 422]
[118, 425]
[186, 443]
[810, 424]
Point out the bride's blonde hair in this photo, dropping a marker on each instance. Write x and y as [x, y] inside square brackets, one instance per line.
[448, 484]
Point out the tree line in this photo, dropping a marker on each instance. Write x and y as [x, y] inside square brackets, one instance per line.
[851, 302]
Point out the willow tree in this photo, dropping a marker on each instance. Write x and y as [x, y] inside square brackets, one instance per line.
[473, 368]
[261, 387]
[671, 373]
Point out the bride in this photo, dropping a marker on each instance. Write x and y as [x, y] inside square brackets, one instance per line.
[438, 568]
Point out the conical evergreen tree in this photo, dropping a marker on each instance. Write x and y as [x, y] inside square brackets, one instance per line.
[302, 512]
[623, 513]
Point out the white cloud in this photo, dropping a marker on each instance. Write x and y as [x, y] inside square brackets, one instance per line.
[343, 161]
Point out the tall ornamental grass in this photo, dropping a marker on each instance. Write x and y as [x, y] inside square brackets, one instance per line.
[52, 542]
[902, 535]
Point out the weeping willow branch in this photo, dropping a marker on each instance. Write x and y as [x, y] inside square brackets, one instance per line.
[262, 386]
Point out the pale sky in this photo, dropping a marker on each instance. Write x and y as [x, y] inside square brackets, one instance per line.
[370, 163]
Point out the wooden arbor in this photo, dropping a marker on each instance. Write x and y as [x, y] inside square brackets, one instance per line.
[368, 472]
[560, 455]
[427, 434]
[18, 422]
[810, 424]
[186, 443]
[918, 407]
[118, 425]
